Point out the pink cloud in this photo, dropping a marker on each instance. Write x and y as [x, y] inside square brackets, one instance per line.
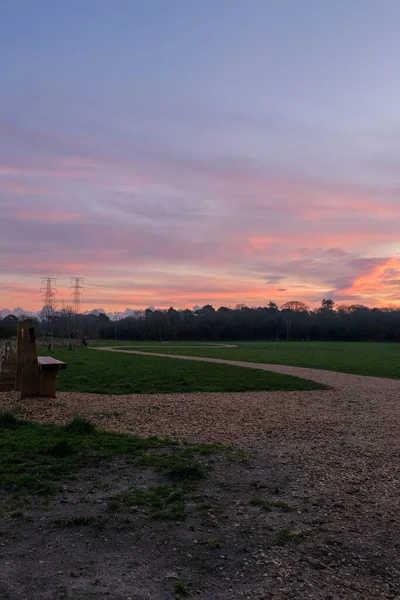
[381, 281]
[20, 188]
[52, 217]
[240, 226]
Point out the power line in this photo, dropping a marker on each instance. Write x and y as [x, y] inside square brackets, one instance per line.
[76, 293]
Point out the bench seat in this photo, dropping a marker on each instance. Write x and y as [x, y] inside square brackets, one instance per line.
[49, 363]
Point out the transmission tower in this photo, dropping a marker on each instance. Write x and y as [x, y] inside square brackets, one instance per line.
[76, 288]
[49, 296]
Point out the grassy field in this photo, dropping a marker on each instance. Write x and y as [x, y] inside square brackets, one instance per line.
[93, 371]
[380, 360]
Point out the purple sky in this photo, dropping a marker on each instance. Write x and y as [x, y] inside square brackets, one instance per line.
[181, 153]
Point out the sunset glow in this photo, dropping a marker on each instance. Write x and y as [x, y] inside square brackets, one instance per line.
[238, 159]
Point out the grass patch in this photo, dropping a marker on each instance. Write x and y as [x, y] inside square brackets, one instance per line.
[61, 449]
[165, 502]
[359, 358]
[16, 514]
[80, 426]
[76, 521]
[35, 458]
[212, 543]
[286, 535]
[9, 421]
[181, 589]
[104, 372]
[176, 467]
[269, 505]
[187, 472]
[209, 510]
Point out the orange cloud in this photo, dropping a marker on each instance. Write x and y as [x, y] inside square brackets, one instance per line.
[380, 284]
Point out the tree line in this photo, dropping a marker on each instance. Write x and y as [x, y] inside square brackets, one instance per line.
[291, 321]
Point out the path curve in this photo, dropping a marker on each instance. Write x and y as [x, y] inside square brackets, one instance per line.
[334, 379]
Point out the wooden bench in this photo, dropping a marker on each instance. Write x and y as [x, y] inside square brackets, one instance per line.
[35, 376]
[48, 369]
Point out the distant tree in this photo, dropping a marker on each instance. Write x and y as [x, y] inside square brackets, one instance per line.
[10, 319]
[357, 308]
[207, 309]
[48, 313]
[272, 306]
[173, 321]
[293, 316]
[68, 314]
[327, 304]
[352, 308]
[295, 306]
[8, 326]
[292, 321]
[240, 306]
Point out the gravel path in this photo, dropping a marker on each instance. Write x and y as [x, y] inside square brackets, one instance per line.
[363, 409]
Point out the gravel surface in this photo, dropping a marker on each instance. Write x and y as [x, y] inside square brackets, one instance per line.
[338, 451]
[362, 410]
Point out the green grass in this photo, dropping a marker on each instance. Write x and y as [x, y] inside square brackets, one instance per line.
[286, 535]
[165, 501]
[16, 514]
[177, 468]
[76, 521]
[35, 458]
[104, 372]
[212, 543]
[181, 589]
[206, 509]
[360, 358]
[269, 505]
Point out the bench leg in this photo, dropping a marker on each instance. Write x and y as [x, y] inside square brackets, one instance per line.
[47, 383]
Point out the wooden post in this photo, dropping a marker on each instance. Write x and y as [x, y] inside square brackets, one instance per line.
[29, 381]
[19, 357]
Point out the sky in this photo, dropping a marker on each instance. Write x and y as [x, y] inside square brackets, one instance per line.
[187, 153]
